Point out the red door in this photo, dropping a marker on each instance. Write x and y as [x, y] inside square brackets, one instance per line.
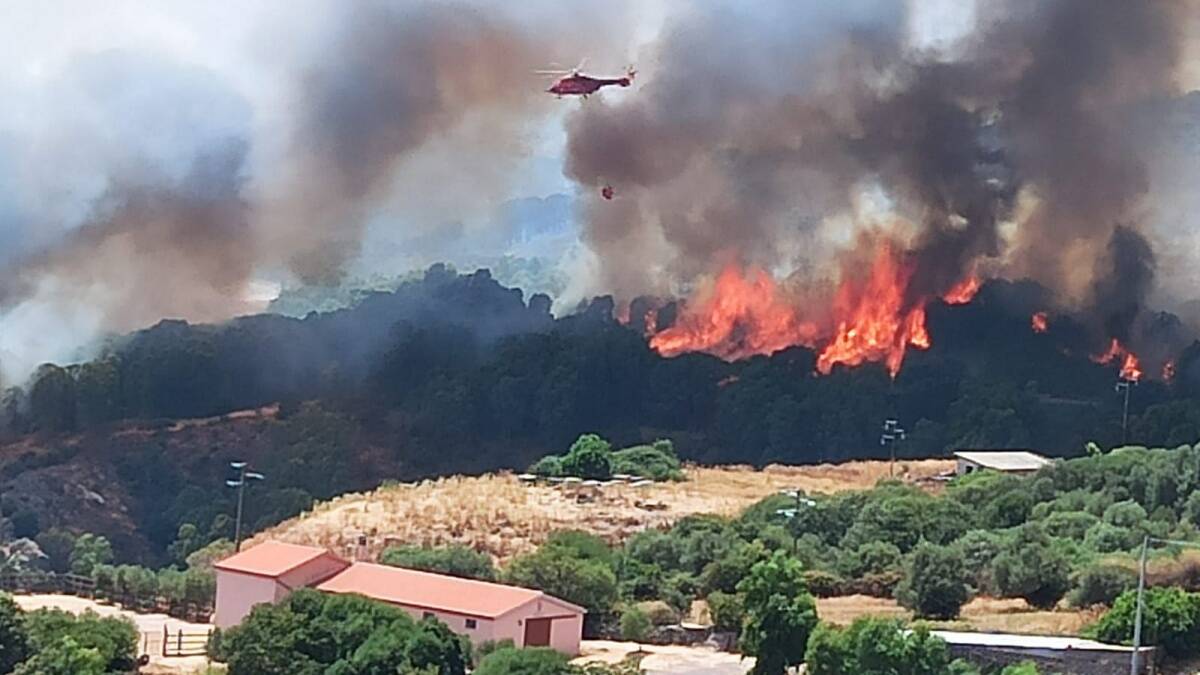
[537, 632]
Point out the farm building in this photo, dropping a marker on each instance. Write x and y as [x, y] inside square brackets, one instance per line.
[1018, 462]
[481, 610]
[1066, 655]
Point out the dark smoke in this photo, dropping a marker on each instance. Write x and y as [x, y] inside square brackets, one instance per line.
[391, 80]
[752, 134]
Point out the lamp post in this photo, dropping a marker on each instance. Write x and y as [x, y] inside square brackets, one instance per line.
[801, 500]
[240, 484]
[1141, 602]
[1124, 384]
[892, 432]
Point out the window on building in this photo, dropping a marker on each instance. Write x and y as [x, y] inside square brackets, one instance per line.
[427, 615]
[471, 623]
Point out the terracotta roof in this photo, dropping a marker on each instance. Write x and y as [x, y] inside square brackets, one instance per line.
[434, 591]
[271, 559]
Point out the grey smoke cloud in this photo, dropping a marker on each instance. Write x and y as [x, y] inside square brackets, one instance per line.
[758, 127]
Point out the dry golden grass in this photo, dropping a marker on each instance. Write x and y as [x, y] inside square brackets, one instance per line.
[499, 515]
[989, 615]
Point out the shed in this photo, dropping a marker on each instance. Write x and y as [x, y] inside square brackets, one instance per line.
[480, 610]
[266, 573]
[1019, 462]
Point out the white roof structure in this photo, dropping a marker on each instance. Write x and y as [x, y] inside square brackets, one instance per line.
[1014, 641]
[1004, 460]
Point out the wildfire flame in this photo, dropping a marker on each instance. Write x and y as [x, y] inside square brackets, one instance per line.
[964, 291]
[1040, 322]
[740, 316]
[1130, 367]
[873, 323]
[1168, 371]
[871, 319]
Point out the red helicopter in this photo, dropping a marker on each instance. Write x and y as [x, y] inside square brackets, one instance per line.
[574, 83]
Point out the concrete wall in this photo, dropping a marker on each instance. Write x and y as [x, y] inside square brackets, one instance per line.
[237, 593]
[1064, 661]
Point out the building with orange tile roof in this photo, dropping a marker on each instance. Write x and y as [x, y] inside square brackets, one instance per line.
[481, 610]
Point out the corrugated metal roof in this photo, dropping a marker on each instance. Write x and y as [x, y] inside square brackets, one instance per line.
[434, 591]
[271, 558]
[1015, 641]
[1004, 460]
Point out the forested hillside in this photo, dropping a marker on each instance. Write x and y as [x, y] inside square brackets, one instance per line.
[457, 374]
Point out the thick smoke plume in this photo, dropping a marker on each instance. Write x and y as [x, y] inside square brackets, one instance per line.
[1011, 149]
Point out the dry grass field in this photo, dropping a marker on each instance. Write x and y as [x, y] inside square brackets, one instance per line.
[988, 615]
[500, 515]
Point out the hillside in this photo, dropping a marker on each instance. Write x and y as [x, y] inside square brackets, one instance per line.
[498, 514]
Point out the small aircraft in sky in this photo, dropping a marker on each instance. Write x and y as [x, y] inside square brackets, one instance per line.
[575, 83]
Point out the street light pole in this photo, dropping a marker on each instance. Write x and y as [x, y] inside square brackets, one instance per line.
[240, 484]
[1141, 599]
[892, 432]
[1137, 621]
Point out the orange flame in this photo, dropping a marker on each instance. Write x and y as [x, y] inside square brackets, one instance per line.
[742, 315]
[873, 321]
[962, 292]
[1168, 371]
[1040, 322]
[1130, 366]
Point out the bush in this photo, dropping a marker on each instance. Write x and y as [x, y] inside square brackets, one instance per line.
[1101, 585]
[656, 461]
[456, 561]
[557, 571]
[870, 558]
[548, 466]
[589, 457]
[635, 625]
[64, 656]
[511, 661]
[660, 613]
[1170, 618]
[780, 614]
[114, 640]
[14, 642]
[1032, 568]
[873, 646]
[935, 585]
[824, 584]
[726, 611]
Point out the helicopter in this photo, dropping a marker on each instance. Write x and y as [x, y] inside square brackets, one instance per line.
[574, 83]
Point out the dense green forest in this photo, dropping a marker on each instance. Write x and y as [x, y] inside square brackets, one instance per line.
[455, 373]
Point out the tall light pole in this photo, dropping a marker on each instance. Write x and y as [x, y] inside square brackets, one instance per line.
[801, 500]
[1124, 384]
[891, 434]
[240, 484]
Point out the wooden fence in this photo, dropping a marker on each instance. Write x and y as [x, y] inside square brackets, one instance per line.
[180, 642]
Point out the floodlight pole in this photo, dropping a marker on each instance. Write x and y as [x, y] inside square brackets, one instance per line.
[801, 500]
[240, 484]
[892, 432]
[1123, 385]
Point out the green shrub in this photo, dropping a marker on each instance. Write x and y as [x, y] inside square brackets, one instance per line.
[14, 641]
[635, 625]
[870, 558]
[114, 640]
[1101, 585]
[726, 611]
[660, 613]
[589, 457]
[655, 462]
[872, 646]
[824, 584]
[548, 466]
[456, 560]
[1033, 568]
[935, 585]
[512, 661]
[1170, 618]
